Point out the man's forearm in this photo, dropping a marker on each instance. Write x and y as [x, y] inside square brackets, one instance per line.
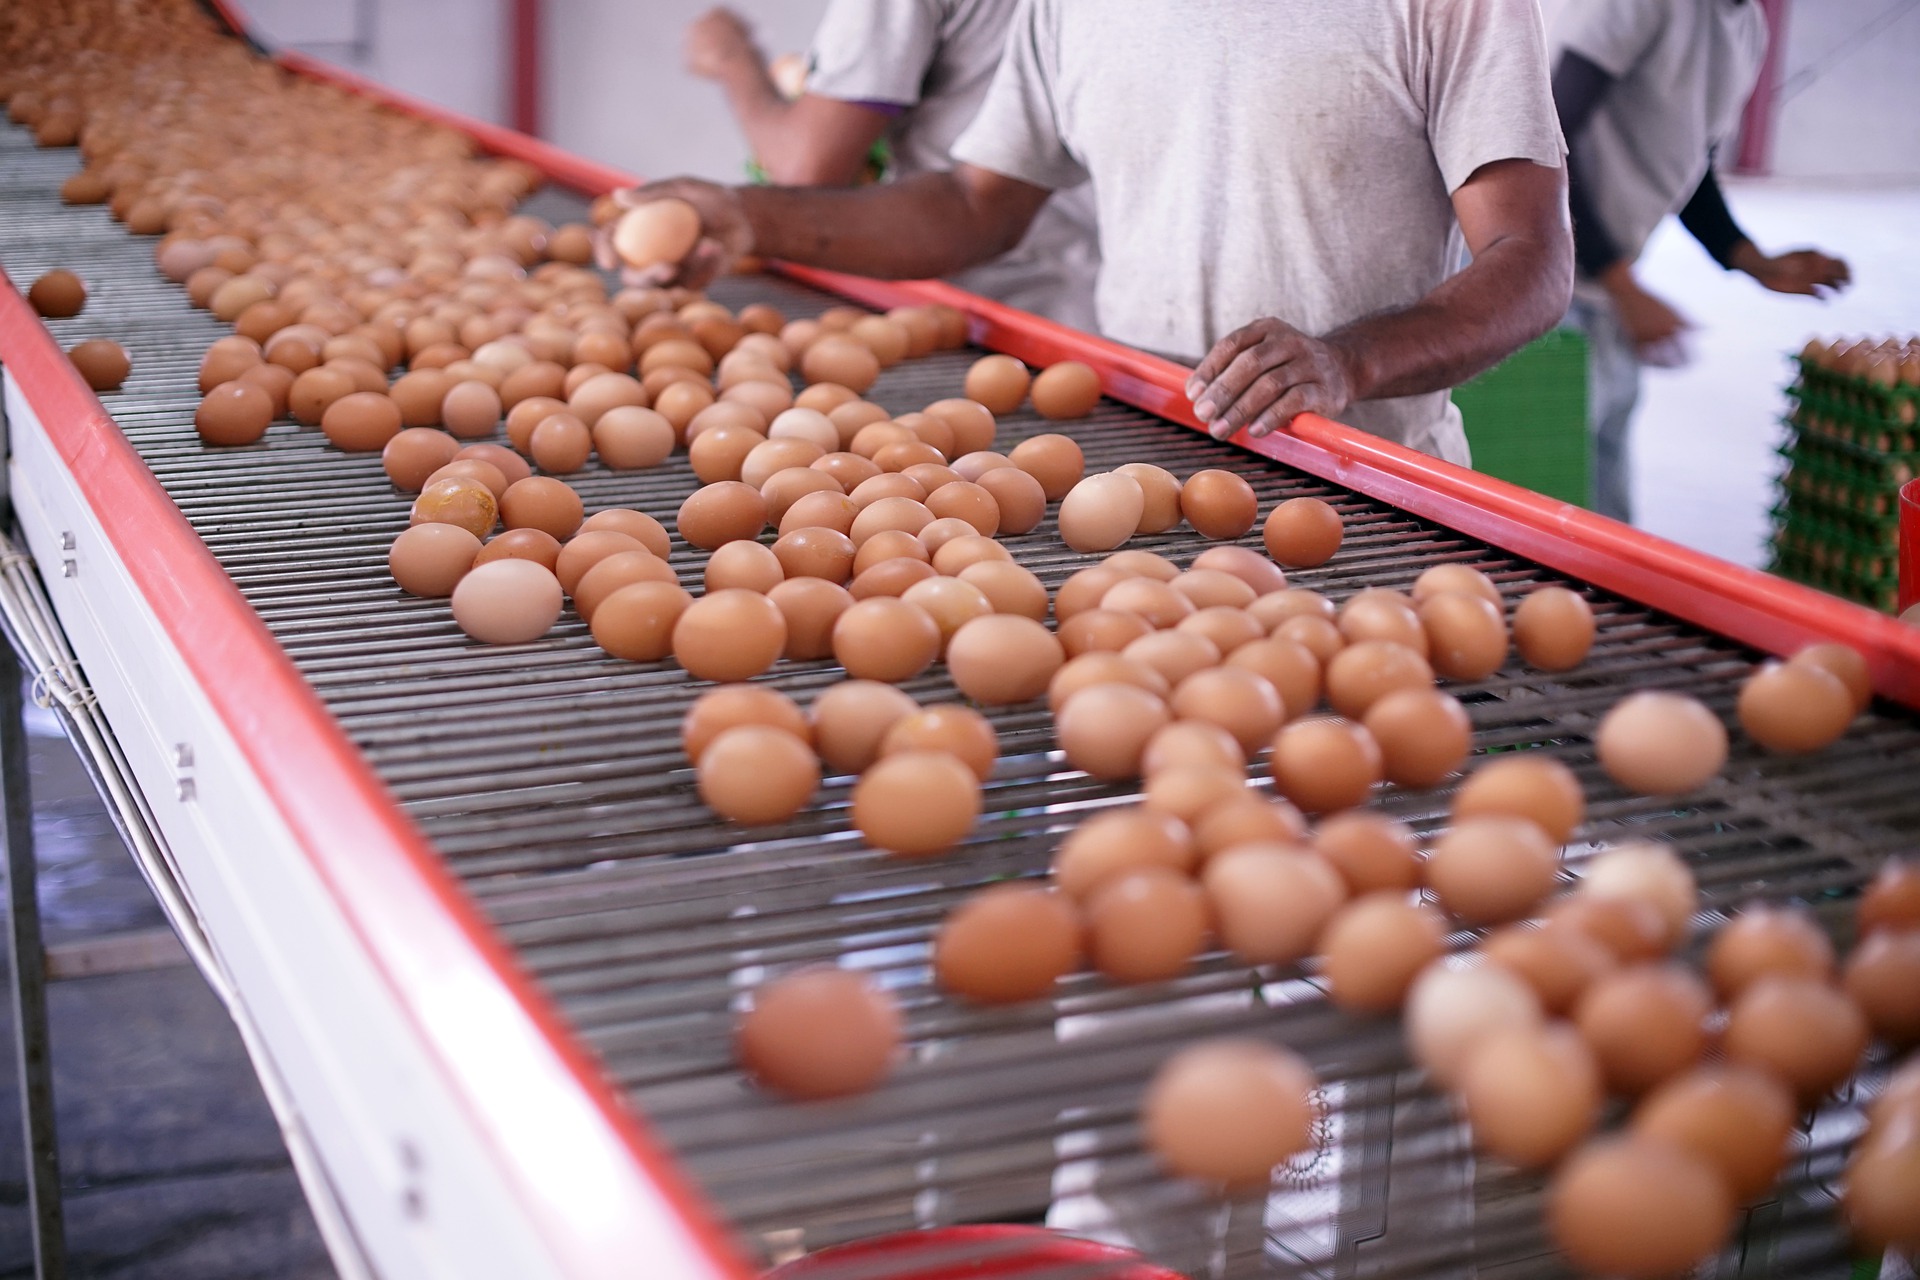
[757, 105]
[925, 226]
[1513, 292]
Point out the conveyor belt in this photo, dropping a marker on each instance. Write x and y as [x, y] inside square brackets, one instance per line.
[550, 778]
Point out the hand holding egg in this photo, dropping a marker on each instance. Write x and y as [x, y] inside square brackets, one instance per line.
[679, 232]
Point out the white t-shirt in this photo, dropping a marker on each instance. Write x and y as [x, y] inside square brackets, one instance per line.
[1288, 158]
[934, 59]
[1683, 70]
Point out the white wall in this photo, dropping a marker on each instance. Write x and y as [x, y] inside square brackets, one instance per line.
[451, 52]
[1850, 92]
[615, 89]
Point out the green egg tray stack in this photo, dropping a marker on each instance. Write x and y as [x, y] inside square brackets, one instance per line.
[1848, 446]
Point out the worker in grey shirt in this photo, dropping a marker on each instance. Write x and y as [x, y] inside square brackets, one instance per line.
[1282, 187]
[912, 72]
[1646, 89]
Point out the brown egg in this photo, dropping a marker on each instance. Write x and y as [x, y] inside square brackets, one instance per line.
[1003, 659]
[1637, 1207]
[457, 500]
[1892, 900]
[891, 485]
[900, 514]
[1375, 946]
[1883, 978]
[1466, 636]
[1316, 635]
[853, 417]
[1212, 589]
[1645, 1023]
[1191, 745]
[1792, 708]
[884, 638]
[658, 233]
[680, 402]
[969, 502]
[916, 804]
[820, 1033]
[1764, 940]
[1882, 1188]
[523, 544]
[1456, 1003]
[950, 602]
[756, 775]
[811, 607]
[419, 395]
[1383, 616]
[1530, 1093]
[729, 635]
[721, 513]
[1105, 667]
[1303, 533]
[1008, 587]
[1262, 576]
[1557, 960]
[1845, 662]
[889, 544]
[1066, 390]
[1007, 943]
[593, 398]
[1800, 1030]
[233, 413]
[1736, 1119]
[430, 559]
[1527, 785]
[272, 379]
[1650, 872]
[1293, 672]
[1143, 564]
[770, 457]
[784, 488]
[470, 409]
[415, 454]
[1631, 929]
[1084, 589]
[1424, 736]
[1146, 925]
[1366, 671]
[1661, 744]
[629, 437]
[639, 526]
[890, 578]
[718, 453]
[960, 732]
[1270, 901]
[1218, 504]
[1018, 499]
[1054, 460]
[622, 569]
[1101, 631]
[1239, 701]
[507, 602]
[955, 555]
[1455, 578]
[1103, 728]
[843, 361]
[1160, 493]
[851, 721]
[971, 423]
[1117, 842]
[101, 362]
[541, 502]
[1159, 603]
[1553, 629]
[999, 383]
[822, 510]
[1325, 763]
[1228, 1111]
[59, 294]
[226, 360]
[810, 553]
[1371, 851]
[1491, 870]
[740, 565]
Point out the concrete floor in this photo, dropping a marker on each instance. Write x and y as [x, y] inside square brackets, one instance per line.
[1705, 435]
[172, 1162]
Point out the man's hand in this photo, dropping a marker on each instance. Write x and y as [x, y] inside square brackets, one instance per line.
[725, 234]
[1803, 271]
[1646, 318]
[1264, 375]
[717, 41]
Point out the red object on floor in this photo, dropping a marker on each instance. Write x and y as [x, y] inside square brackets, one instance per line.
[1909, 545]
[1002, 1253]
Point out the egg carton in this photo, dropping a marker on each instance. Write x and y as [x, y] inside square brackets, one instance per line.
[1875, 594]
[1812, 480]
[1864, 469]
[1900, 398]
[1831, 550]
[1796, 506]
[1877, 437]
[1846, 416]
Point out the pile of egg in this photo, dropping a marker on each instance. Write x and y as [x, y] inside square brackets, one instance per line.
[1885, 362]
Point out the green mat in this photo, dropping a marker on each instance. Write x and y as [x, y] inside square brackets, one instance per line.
[1527, 418]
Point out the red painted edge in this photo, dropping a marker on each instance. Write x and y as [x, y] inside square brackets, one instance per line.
[1757, 120]
[504, 1052]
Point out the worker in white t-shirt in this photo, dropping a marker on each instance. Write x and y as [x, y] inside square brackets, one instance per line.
[911, 72]
[1646, 89]
[1283, 188]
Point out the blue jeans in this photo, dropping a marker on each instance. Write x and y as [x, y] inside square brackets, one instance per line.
[1613, 389]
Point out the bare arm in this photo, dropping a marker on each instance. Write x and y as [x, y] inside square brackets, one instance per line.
[930, 225]
[1513, 215]
[811, 141]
